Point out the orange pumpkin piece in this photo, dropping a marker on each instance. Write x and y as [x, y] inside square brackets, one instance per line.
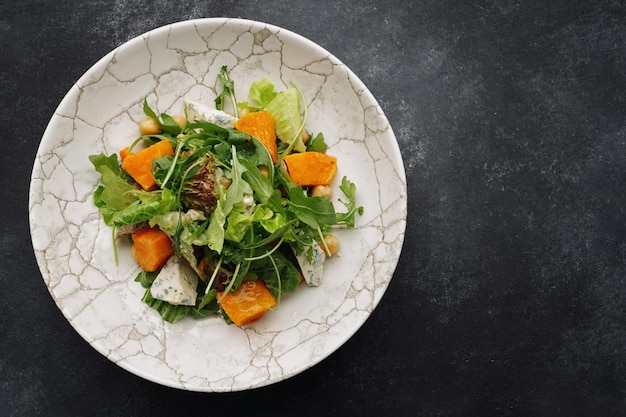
[261, 125]
[311, 168]
[151, 248]
[251, 300]
[139, 164]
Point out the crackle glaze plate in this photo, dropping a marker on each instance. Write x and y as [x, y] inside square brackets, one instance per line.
[73, 247]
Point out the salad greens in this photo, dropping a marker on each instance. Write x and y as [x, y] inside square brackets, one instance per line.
[230, 221]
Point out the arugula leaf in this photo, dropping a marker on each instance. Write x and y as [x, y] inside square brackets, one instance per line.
[223, 153]
[208, 129]
[208, 305]
[349, 190]
[260, 156]
[313, 211]
[238, 188]
[146, 278]
[317, 144]
[228, 90]
[262, 187]
[280, 280]
[166, 122]
[147, 110]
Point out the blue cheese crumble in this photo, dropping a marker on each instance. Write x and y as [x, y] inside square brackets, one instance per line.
[176, 283]
[199, 111]
[312, 271]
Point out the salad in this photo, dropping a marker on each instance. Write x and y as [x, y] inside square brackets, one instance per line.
[226, 213]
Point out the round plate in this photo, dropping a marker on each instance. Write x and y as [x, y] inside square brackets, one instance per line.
[74, 249]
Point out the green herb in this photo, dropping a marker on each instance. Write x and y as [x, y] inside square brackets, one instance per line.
[166, 122]
[317, 144]
[228, 90]
[145, 278]
[115, 193]
[349, 190]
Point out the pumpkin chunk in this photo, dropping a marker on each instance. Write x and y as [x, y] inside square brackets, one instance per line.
[151, 248]
[311, 168]
[139, 164]
[251, 300]
[261, 125]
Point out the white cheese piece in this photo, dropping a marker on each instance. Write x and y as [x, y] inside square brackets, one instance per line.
[199, 111]
[176, 283]
[312, 271]
[248, 204]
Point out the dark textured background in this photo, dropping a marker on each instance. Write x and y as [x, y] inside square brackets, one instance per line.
[509, 298]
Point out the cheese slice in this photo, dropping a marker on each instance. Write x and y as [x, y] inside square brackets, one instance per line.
[200, 111]
[176, 283]
[312, 271]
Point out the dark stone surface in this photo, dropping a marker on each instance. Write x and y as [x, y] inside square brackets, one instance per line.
[509, 298]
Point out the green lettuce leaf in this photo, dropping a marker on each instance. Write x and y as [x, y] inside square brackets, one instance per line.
[239, 221]
[215, 232]
[262, 91]
[116, 192]
[285, 108]
[169, 312]
[274, 223]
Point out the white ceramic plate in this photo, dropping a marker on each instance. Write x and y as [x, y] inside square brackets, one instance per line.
[73, 246]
